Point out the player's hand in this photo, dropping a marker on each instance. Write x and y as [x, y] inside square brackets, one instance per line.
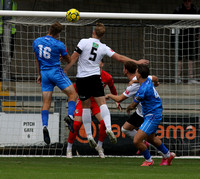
[39, 79]
[132, 81]
[143, 61]
[119, 107]
[156, 83]
[107, 97]
[129, 108]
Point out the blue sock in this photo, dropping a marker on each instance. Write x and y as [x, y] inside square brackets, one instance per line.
[146, 154]
[71, 107]
[163, 149]
[45, 117]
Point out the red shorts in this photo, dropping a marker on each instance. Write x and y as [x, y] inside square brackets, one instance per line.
[94, 107]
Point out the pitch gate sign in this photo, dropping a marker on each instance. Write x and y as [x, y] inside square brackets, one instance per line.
[26, 129]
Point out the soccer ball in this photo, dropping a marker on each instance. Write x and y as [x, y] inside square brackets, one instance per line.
[73, 15]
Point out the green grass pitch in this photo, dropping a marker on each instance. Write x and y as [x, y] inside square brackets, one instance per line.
[95, 168]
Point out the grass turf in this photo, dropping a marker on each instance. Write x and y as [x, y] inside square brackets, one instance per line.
[95, 168]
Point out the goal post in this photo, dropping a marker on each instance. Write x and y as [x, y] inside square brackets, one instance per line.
[149, 36]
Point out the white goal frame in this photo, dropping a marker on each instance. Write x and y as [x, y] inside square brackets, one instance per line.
[100, 15]
[112, 16]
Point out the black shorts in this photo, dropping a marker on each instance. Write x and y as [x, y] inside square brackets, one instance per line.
[135, 120]
[89, 86]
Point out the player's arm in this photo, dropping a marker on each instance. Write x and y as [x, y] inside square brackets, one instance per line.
[114, 92]
[66, 58]
[131, 107]
[74, 58]
[155, 81]
[38, 71]
[122, 58]
[116, 98]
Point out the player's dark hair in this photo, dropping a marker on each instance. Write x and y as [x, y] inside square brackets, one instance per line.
[99, 30]
[55, 29]
[130, 66]
[143, 70]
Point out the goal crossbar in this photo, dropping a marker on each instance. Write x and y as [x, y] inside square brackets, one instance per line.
[94, 15]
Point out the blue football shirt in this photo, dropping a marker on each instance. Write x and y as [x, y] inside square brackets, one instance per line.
[48, 51]
[149, 98]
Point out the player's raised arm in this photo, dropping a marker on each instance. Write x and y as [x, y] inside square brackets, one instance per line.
[122, 58]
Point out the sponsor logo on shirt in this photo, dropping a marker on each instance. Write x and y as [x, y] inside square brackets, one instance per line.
[127, 92]
[95, 45]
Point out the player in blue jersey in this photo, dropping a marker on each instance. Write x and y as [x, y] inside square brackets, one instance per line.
[152, 112]
[49, 51]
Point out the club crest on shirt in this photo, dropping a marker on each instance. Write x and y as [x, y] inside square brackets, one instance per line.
[95, 45]
[76, 111]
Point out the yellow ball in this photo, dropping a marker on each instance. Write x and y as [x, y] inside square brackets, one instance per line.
[73, 15]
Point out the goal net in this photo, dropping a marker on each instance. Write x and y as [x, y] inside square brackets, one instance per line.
[21, 97]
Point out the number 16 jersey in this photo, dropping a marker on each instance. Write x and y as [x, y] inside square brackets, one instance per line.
[91, 53]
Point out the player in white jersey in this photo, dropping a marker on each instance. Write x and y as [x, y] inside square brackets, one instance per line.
[89, 53]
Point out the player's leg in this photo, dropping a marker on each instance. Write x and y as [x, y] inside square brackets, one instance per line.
[87, 121]
[47, 91]
[102, 136]
[148, 127]
[167, 155]
[72, 136]
[61, 80]
[133, 123]
[105, 113]
[138, 142]
[72, 97]
[47, 96]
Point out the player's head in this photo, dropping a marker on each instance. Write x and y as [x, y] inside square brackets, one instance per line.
[99, 30]
[55, 29]
[142, 71]
[129, 67]
[187, 4]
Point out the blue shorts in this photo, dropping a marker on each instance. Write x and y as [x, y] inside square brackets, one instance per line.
[54, 77]
[150, 124]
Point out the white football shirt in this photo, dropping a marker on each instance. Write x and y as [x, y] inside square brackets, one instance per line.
[92, 52]
[131, 92]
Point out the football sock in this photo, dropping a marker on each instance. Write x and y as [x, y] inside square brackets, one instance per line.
[105, 113]
[164, 150]
[69, 146]
[72, 136]
[86, 117]
[71, 108]
[129, 133]
[45, 117]
[147, 155]
[102, 131]
[99, 144]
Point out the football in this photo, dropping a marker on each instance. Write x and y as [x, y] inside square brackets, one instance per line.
[73, 15]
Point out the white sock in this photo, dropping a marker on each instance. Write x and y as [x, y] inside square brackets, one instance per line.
[69, 146]
[129, 133]
[100, 144]
[87, 121]
[149, 160]
[105, 113]
[167, 155]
